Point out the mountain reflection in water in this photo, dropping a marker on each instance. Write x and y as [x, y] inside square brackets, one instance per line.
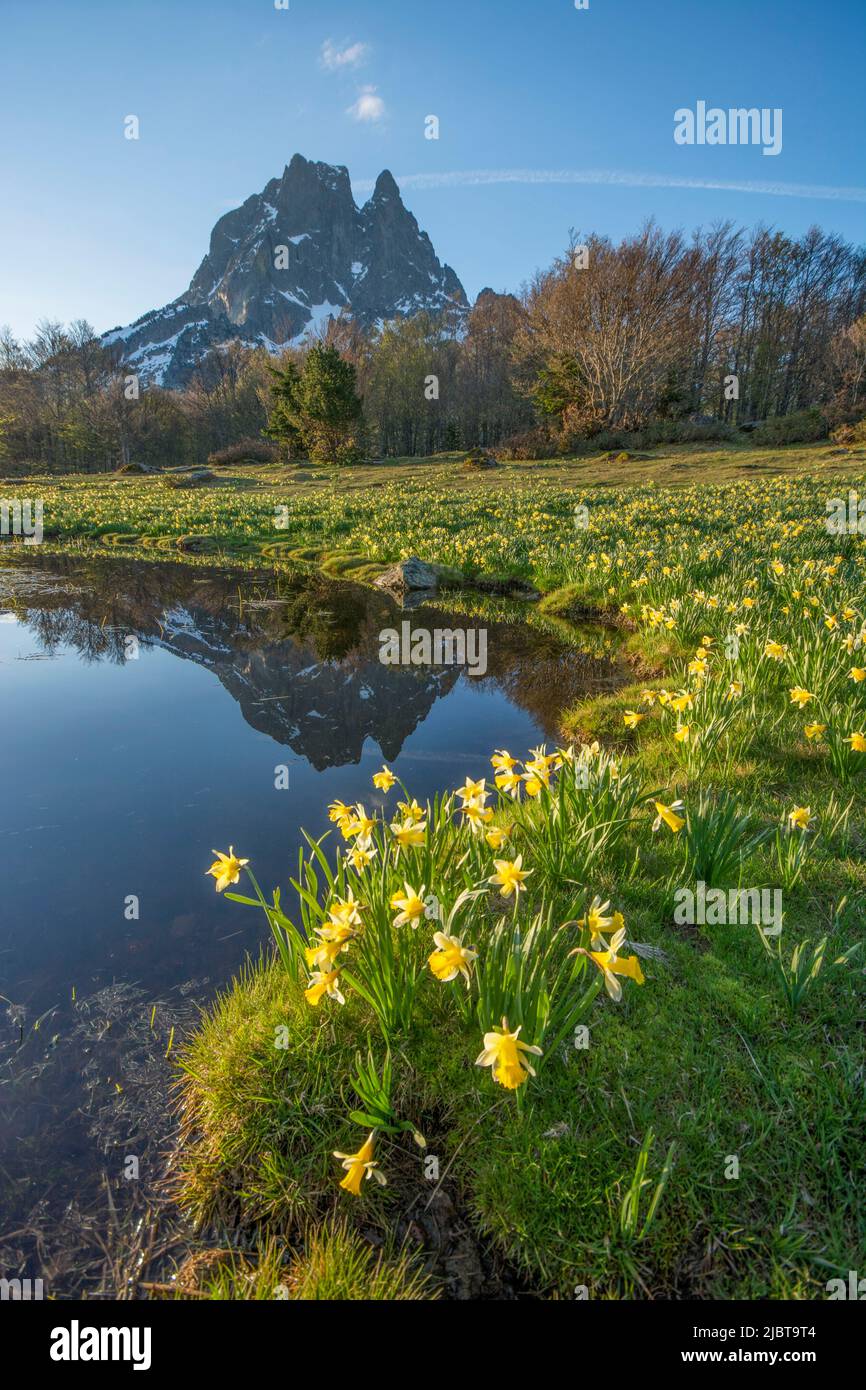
[299, 653]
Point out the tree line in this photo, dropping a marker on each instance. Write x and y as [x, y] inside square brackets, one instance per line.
[660, 332]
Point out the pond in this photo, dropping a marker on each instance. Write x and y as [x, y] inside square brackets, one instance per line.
[152, 713]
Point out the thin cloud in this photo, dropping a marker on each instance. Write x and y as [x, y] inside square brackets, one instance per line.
[334, 59]
[368, 107]
[613, 178]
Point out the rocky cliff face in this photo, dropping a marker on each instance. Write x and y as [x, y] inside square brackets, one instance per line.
[284, 262]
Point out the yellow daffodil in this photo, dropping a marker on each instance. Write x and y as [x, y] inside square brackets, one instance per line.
[596, 922]
[345, 912]
[857, 742]
[360, 856]
[408, 905]
[777, 650]
[323, 982]
[362, 827]
[800, 818]
[683, 701]
[333, 941]
[226, 868]
[472, 791]
[540, 758]
[360, 1166]
[670, 816]
[509, 782]
[815, 731]
[535, 785]
[800, 697]
[384, 780]
[611, 964]
[496, 836]
[476, 816]
[409, 832]
[508, 1057]
[502, 760]
[632, 718]
[451, 959]
[509, 876]
[857, 674]
[540, 768]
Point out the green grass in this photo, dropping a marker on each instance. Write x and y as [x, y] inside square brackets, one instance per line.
[335, 1264]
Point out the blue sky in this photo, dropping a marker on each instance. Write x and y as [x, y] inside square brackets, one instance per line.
[104, 228]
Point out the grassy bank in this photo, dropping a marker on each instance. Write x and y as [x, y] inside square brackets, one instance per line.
[726, 1080]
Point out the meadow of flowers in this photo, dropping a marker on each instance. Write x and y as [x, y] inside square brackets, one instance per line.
[555, 530]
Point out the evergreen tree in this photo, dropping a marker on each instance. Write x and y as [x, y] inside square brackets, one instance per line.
[284, 419]
[332, 417]
[318, 411]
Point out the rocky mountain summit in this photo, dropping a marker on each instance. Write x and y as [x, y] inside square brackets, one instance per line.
[284, 262]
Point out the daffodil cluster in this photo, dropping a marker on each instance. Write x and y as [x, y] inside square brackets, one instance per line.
[433, 893]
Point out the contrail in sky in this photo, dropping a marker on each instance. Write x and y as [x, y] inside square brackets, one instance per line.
[614, 178]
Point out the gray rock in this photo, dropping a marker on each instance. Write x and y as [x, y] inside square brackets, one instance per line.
[408, 576]
[191, 477]
[481, 458]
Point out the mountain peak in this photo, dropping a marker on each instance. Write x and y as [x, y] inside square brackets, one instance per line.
[284, 262]
[386, 187]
